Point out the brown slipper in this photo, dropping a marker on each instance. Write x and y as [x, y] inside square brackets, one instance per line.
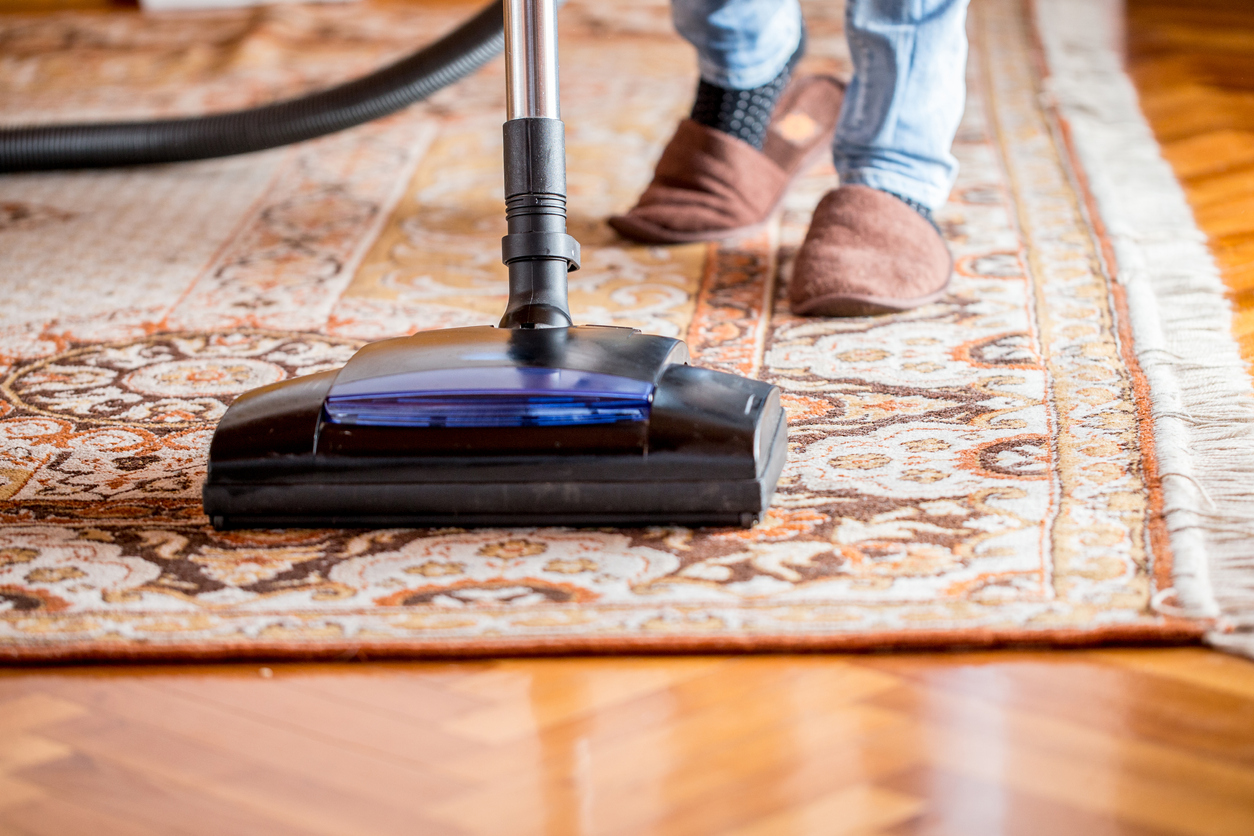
[867, 253]
[710, 185]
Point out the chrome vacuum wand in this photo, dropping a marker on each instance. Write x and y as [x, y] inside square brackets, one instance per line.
[537, 250]
[536, 422]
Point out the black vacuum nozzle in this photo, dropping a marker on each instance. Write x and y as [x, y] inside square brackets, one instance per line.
[590, 425]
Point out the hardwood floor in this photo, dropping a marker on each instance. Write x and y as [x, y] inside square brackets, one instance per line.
[1193, 64]
[1127, 741]
[1109, 741]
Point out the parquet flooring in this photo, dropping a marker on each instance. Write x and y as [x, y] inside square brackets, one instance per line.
[1127, 741]
[1193, 64]
[1108, 741]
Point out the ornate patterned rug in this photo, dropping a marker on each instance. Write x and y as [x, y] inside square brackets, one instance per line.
[981, 471]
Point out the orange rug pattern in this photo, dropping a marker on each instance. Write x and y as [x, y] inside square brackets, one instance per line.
[978, 471]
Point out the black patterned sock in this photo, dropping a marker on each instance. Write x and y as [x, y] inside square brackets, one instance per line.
[744, 114]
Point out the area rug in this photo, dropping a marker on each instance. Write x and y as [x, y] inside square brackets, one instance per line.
[992, 469]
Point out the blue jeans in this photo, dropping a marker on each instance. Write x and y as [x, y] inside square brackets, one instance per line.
[907, 94]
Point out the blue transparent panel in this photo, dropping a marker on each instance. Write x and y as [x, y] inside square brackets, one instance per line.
[490, 397]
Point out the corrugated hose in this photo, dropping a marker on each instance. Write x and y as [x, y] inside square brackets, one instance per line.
[385, 91]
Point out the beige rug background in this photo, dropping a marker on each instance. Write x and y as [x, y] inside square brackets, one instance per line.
[979, 471]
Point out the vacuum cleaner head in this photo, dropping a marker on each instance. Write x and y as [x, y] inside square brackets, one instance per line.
[537, 422]
[587, 425]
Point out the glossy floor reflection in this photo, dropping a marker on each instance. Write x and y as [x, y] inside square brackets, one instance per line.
[1109, 741]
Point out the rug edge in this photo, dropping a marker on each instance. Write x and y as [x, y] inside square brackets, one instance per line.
[1202, 403]
[1169, 632]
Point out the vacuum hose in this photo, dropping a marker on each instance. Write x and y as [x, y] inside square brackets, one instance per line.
[412, 79]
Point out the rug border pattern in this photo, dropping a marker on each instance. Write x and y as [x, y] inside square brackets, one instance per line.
[742, 354]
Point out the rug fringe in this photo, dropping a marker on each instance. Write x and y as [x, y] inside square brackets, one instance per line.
[1202, 400]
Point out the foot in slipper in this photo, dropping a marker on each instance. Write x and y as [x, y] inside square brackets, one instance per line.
[709, 185]
[868, 252]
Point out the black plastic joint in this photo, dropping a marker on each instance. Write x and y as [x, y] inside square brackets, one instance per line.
[535, 157]
[521, 246]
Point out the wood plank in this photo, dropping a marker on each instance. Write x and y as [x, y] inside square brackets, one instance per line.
[389, 739]
[957, 803]
[34, 710]
[17, 791]
[67, 816]
[150, 799]
[1176, 713]
[1200, 668]
[369, 775]
[39, 6]
[563, 689]
[286, 799]
[856, 810]
[1193, 65]
[1072, 764]
[1186, 109]
[1209, 153]
[721, 733]
[1224, 192]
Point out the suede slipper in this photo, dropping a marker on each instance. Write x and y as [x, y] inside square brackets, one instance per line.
[867, 252]
[709, 185]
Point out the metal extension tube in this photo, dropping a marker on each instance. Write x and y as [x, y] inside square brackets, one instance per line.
[537, 250]
[531, 89]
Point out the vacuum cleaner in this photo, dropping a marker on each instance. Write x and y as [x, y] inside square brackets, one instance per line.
[535, 421]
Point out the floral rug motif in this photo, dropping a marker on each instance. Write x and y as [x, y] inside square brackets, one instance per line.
[977, 471]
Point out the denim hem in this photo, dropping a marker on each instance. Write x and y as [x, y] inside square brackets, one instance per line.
[756, 75]
[923, 193]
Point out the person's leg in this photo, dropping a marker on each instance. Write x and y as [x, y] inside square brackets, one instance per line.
[746, 50]
[906, 98]
[872, 246]
[740, 43]
[751, 132]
